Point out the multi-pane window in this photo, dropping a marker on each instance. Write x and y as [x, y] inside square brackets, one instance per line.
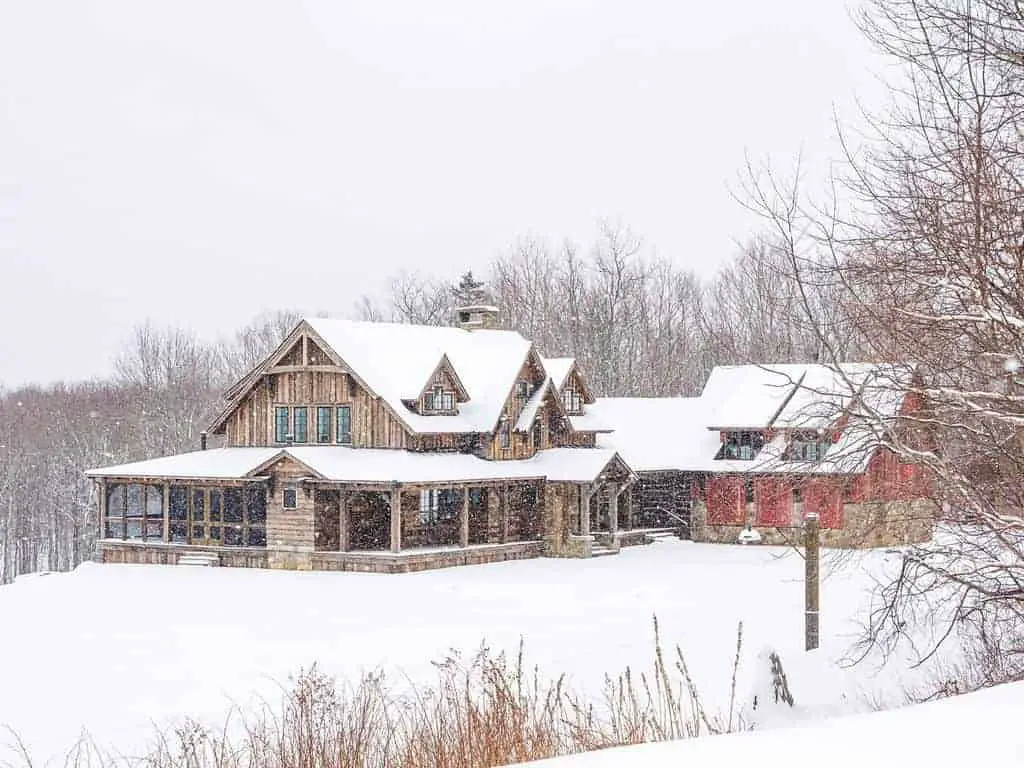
[231, 516]
[439, 399]
[522, 389]
[505, 436]
[134, 512]
[743, 445]
[290, 498]
[323, 424]
[300, 423]
[281, 425]
[438, 506]
[807, 448]
[344, 433]
[572, 400]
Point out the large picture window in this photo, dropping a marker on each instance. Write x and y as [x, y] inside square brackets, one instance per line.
[234, 516]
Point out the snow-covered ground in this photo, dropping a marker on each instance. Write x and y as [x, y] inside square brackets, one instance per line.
[116, 649]
[976, 729]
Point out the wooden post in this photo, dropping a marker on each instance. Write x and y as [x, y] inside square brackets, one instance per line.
[613, 510]
[585, 493]
[464, 519]
[167, 512]
[101, 532]
[811, 573]
[504, 513]
[342, 521]
[396, 519]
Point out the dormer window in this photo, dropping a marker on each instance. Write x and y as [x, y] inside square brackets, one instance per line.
[522, 390]
[809, 446]
[439, 399]
[572, 400]
[742, 445]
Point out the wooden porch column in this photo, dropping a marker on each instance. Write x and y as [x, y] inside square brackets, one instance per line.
[101, 532]
[585, 494]
[613, 510]
[504, 513]
[167, 511]
[396, 519]
[464, 519]
[342, 521]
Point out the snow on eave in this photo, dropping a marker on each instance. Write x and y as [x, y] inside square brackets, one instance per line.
[213, 464]
[531, 406]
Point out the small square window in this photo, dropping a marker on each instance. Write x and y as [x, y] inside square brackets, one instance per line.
[290, 498]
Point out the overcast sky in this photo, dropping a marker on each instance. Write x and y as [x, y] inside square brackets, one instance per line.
[199, 161]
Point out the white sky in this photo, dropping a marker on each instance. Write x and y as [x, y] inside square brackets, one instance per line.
[199, 161]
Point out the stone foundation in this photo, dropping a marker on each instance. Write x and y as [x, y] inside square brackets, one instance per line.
[865, 525]
[157, 553]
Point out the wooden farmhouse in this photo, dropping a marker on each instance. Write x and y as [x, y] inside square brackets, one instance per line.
[389, 447]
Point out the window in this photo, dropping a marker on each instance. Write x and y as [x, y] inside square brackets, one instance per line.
[234, 516]
[300, 419]
[522, 389]
[742, 445]
[749, 489]
[572, 400]
[344, 424]
[798, 495]
[280, 425]
[505, 436]
[538, 435]
[290, 498]
[807, 447]
[134, 512]
[439, 399]
[323, 424]
[428, 506]
[178, 514]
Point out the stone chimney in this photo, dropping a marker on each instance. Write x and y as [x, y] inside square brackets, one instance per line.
[475, 317]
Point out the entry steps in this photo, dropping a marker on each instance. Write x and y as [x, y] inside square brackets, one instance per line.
[206, 559]
[662, 535]
[600, 550]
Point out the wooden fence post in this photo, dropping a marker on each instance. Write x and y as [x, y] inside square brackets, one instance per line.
[812, 542]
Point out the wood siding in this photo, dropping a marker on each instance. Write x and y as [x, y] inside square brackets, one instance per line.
[290, 528]
[373, 425]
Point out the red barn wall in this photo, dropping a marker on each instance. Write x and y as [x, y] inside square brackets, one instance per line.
[726, 500]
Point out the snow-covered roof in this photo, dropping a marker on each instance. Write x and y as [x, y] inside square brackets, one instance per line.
[369, 465]
[558, 369]
[529, 412]
[655, 433]
[395, 361]
[748, 396]
[216, 464]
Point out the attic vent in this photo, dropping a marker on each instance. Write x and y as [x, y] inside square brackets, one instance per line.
[477, 316]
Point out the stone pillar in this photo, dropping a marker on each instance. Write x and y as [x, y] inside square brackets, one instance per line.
[396, 519]
[343, 526]
[464, 519]
[585, 494]
[613, 510]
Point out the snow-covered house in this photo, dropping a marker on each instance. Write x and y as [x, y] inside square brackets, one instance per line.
[763, 445]
[379, 446]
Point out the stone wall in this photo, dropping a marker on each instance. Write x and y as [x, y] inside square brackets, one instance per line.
[159, 553]
[865, 524]
[561, 518]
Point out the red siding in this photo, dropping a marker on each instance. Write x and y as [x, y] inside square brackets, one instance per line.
[774, 501]
[726, 501]
[826, 498]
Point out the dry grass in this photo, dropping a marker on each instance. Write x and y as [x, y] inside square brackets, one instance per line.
[489, 710]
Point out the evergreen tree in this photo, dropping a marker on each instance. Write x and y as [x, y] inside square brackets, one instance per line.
[470, 291]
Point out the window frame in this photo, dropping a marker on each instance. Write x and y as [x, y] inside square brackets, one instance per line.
[572, 399]
[304, 411]
[290, 491]
[505, 436]
[343, 438]
[324, 437]
[279, 435]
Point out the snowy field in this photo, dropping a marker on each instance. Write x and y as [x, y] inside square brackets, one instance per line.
[116, 650]
[977, 729]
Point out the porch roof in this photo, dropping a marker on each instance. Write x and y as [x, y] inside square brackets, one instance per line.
[370, 465]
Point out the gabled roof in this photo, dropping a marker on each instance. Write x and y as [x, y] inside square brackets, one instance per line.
[653, 434]
[395, 361]
[558, 368]
[370, 465]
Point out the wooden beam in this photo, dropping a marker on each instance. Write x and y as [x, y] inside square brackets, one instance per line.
[613, 510]
[100, 530]
[396, 519]
[343, 521]
[464, 519]
[585, 494]
[504, 513]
